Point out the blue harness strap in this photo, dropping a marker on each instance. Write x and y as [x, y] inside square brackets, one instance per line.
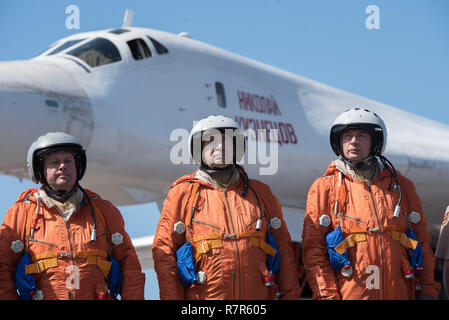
[333, 239]
[186, 265]
[26, 286]
[273, 262]
[416, 255]
[114, 278]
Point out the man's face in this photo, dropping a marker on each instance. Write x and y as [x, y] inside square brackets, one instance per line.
[356, 144]
[215, 150]
[60, 170]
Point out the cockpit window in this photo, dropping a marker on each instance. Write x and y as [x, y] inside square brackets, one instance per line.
[160, 48]
[64, 46]
[119, 31]
[139, 49]
[97, 52]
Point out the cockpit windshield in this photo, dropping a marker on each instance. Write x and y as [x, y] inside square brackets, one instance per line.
[64, 46]
[97, 52]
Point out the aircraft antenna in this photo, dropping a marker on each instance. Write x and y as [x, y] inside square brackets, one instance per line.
[128, 20]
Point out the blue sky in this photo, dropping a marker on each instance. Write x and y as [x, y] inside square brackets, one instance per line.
[405, 63]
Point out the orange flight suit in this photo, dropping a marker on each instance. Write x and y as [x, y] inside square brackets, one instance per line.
[377, 256]
[65, 262]
[224, 241]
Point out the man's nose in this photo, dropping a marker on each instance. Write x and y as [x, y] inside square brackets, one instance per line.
[62, 164]
[220, 144]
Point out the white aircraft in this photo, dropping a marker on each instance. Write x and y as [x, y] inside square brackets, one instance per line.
[122, 93]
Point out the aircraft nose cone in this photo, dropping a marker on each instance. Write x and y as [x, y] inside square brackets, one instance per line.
[17, 106]
[37, 76]
[25, 87]
[15, 75]
[35, 98]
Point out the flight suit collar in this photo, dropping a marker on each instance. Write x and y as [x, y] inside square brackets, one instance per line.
[66, 209]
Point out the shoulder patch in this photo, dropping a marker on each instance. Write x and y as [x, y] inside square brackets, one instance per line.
[275, 223]
[16, 246]
[117, 238]
[414, 217]
[325, 220]
[179, 227]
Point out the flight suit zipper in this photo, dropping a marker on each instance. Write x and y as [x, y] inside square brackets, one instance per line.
[75, 275]
[43, 242]
[380, 239]
[205, 223]
[236, 246]
[349, 217]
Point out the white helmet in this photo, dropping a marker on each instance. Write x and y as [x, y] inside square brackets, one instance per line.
[50, 142]
[219, 123]
[359, 118]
